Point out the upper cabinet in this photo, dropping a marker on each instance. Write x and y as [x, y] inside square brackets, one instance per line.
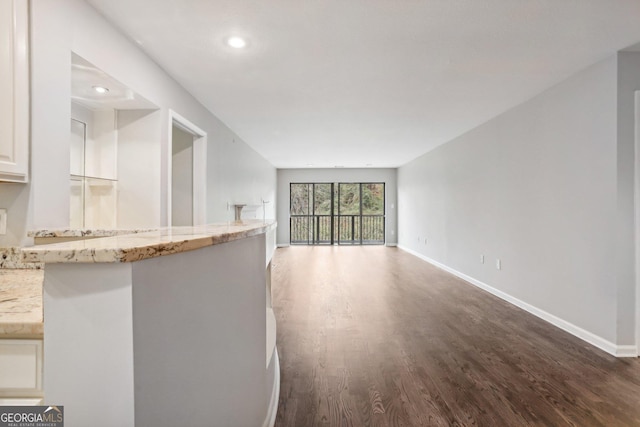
[14, 91]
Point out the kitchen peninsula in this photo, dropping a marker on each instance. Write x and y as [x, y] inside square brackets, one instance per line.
[162, 328]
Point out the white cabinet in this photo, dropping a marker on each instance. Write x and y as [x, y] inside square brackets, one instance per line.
[14, 90]
[21, 369]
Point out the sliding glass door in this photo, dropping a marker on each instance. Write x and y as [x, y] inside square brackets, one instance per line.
[342, 213]
[311, 211]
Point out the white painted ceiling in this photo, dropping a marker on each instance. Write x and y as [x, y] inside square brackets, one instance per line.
[85, 77]
[369, 82]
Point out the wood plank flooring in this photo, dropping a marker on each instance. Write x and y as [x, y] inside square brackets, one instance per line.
[373, 336]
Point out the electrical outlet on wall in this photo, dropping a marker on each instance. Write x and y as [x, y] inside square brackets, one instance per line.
[3, 221]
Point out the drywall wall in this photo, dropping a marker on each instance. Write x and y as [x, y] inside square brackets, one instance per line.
[59, 27]
[287, 176]
[628, 83]
[537, 188]
[15, 198]
[139, 173]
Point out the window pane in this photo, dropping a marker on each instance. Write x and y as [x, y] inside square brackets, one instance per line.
[299, 229]
[322, 199]
[346, 228]
[299, 199]
[349, 199]
[373, 199]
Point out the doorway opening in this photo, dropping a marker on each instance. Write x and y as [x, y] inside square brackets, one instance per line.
[337, 213]
[187, 173]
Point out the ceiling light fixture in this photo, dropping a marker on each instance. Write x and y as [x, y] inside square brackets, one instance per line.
[236, 42]
[101, 89]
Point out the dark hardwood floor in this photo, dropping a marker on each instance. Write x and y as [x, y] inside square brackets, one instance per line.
[372, 336]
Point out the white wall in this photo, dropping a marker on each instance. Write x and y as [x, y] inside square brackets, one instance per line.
[15, 198]
[58, 27]
[628, 83]
[287, 176]
[539, 188]
[139, 173]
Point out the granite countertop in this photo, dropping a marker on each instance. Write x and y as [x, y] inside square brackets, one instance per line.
[84, 232]
[149, 244]
[21, 303]
[11, 257]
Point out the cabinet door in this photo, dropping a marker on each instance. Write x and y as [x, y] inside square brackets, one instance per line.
[20, 368]
[14, 87]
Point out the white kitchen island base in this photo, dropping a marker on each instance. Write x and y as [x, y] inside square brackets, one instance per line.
[164, 341]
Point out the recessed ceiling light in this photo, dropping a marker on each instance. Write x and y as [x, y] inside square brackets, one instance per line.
[101, 89]
[309, 164]
[338, 166]
[236, 42]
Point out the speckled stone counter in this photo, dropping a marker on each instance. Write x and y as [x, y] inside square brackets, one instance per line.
[11, 258]
[48, 236]
[21, 303]
[150, 244]
[84, 232]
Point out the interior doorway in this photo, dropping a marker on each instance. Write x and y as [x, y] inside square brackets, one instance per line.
[187, 173]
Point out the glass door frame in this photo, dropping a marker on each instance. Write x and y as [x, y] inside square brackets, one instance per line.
[311, 219]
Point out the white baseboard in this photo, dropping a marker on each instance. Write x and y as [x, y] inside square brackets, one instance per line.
[601, 343]
[626, 351]
[282, 245]
[391, 245]
[270, 419]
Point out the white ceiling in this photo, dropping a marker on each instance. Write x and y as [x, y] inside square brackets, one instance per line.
[369, 82]
[85, 77]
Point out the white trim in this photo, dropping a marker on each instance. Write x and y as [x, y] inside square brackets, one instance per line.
[200, 180]
[282, 245]
[636, 168]
[391, 245]
[595, 340]
[199, 167]
[626, 351]
[270, 419]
